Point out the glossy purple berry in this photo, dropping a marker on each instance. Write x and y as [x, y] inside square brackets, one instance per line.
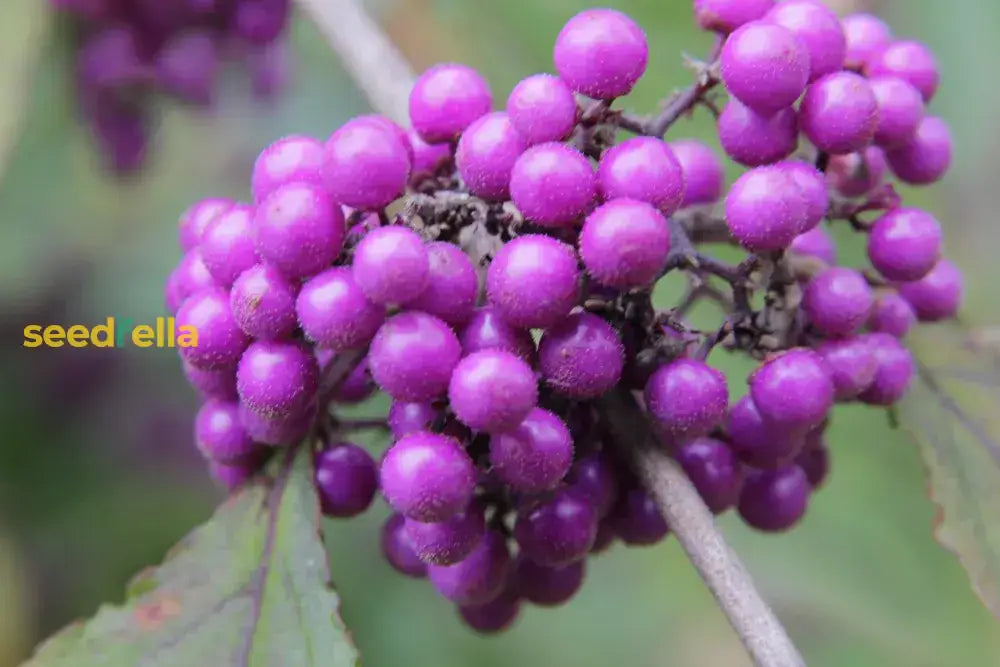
[891, 314]
[581, 357]
[812, 186]
[774, 500]
[536, 455]
[765, 66]
[447, 542]
[905, 244]
[263, 303]
[290, 159]
[936, 296]
[218, 384]
[819, 30]
[900, 110]
[428, 159]
[837, 301]
[816, 243]
[190, 276]
[857, 174]
[334, 312]
[839, 112]
[452, 285]
[220, 339]
[427, 477]
[624, 243]
[558, 530]
[486, 153]
[754, 139]
[231, 476]
[366, 164]
[446, 99]
[405, 418]
[486, 329]
[477, 579]
[926, 157]
[894, 371]
[553, 184]
[494, 616]
[642, 168]
[346, 480]
[852, 365]
[909, 60]
[277, 379]
[193, 222]
[545, 585]
[391, 265]
[299, 229]
[714, 470]
[601, 53]
[227, 245]
[492, 391]
[412, 356]
[637, 520]
[765, 209]
[533, 281]
[542, 108]
[687, 398]
[727, 15]
[793, 389]
[866, 36]
[757, 442]
[357, 386]
[704, 175]
[219, 434]
[594, 477]
[278, 431]
[398, 550]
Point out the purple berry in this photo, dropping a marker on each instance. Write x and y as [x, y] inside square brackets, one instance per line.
[227, 245]
[601, 53]
[291, 159]
[542, 108]
[866, 36]
[492, 391]
[391, 265]
[190, 276]
[299, 229]
[477, 579]
[857, 174]
[412, 356]
[427, 477]
[606, 535]
[900, 110]
[553, 184]
[818, 29]
[493, 616]
[895, 369]
[637, 520]
[815, 463]
[533, 281]
[428, 159]
[405, 418]
[765, 209]
[624, 243]
[815, 243]
[536, 455]
[487, 330]
[357, 386]
[687, 398]
[220, 339]
[594, 477]
[936, 296]
[892, 314]
[366, 164]
[334, 312]
[793, 390]
[581, 357]
[852, 365]
[219, 434]
[909, 60]
[837, 301]
[231, 476]
[727, 15]
[714, 470]
[753, 139]
[346, 480]
[452, 285]
[704, 175]
[447, 542]
[187, 65]
[774, 500]
[642, 168]
[398, 549]
[557, 531]
[926, 157]
[757, 442]
[765, 66]
[277, 379]
[218, 384]
[446, 99]
[486, 153]
[812, 185]
[260, 21]
[193, 222]
[278, 430]
[545, 585]
[905, 244]
[263, 303]
[839, 112]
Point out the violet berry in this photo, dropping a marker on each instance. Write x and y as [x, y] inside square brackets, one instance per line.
[486, 153]
[581, 357]
[542, 108]
[412, 356]
[533, 281]
[334, 312]
[642, 168]
[753, 139]
[535, 455]
[793, 389]
[839, 112]
[366, 164]
[290, 159]
[837, 301]
[492, 391]
[346, 479]
[446, 99]
[263, 303]
[905, 244]
[427, 476]
[299, 229]
[704, 175]
[687, 398]
[765, 66]
[277, 379]
[624, 243]
[601, 53]
[936, 296]
[391, 265]
[552, 184]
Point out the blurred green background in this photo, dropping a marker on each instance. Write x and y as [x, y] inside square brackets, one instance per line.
[98, 475]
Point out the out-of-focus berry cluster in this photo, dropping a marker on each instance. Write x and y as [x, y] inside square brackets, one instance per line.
[491, 272]
[130, 51]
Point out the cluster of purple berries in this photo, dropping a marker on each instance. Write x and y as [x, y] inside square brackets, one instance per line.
[491, 272]
[128, 50]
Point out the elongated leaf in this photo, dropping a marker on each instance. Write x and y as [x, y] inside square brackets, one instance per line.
[250, 587]
[954, 413]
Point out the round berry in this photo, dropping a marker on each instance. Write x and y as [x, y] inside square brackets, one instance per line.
[294, 158]
[894, 370]
[545, 585]
[278, 430]
[812, 186]
[542, 108]
[815, 463]
[536, 455]
[406, 417]
[357, 386]
[900, 110]
[815, 243]
[398, 549]
[793, 389]
[936, 296]
[553, 184]
[219, 434]
[765, 209]
[818, 28]
[866, 36]
[774, 500]
[219, 384]
[581, 357]
[892, 314]
[277, 379]
[493, 616]
[486, 154]
[909, 60]
[624, 243]
[346, 480]
[839, 112]
[852, 366]
[334, 312]
[765, 66]
[757, 442]
[220, 339]
[263, 303]
[447, 542]
[704, 175]
[601, 53]
[556, 531]
[926, 157]
[594, 477]
[857, 174]
[837, 301]
[190, 276]
[642, 168]
[428, 159]
[905, 244]
[687, 398]
[427, 477]
[412, 356]
[299, 229]
[193, 222]
[533, 281]
[231, 476]
[480, 577]
[714, 470]
[492, 391]
[391, 265]
[727, 15]
[366, 165]
[446, 99]
[227, 245]
[753, 139]
[486, 329]
[637, 520]
[452, 285]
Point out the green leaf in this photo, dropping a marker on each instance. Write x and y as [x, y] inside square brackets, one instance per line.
[954, 413]
[250, 587]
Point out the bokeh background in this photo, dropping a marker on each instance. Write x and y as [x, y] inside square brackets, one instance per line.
[98, 474]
